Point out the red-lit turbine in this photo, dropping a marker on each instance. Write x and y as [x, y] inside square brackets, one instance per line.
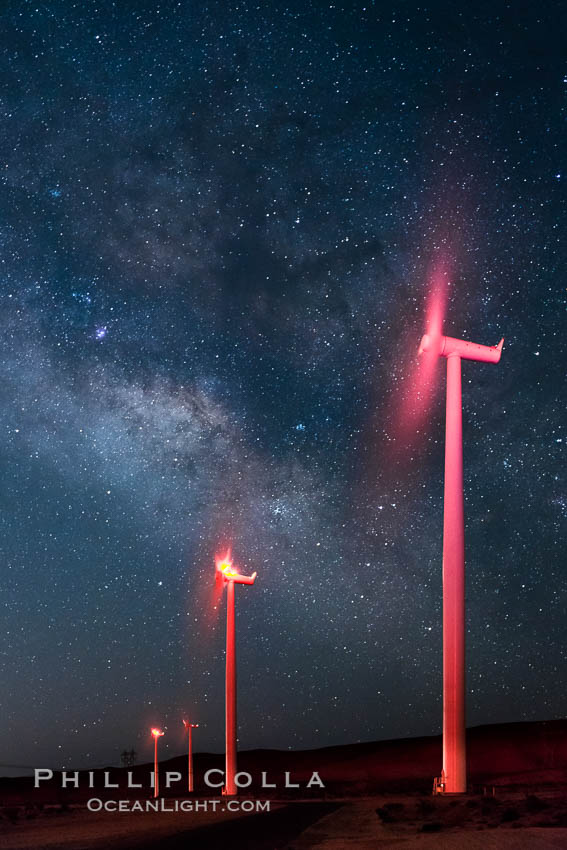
[157, 733]
[453, 778]
[189, 727]
[229, 576]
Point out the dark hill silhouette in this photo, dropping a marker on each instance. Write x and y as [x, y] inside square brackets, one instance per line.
[523, 754]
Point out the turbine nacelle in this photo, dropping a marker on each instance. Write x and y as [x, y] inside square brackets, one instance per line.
[228, 573]
[445, 346]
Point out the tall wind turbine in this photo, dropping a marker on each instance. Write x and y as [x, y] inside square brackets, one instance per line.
[453, 779]
[230, 577]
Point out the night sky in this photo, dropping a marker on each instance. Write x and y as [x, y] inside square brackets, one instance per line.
[219, 225]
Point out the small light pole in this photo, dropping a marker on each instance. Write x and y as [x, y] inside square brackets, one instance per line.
[157, 733]
[230, 577]
[190, 727]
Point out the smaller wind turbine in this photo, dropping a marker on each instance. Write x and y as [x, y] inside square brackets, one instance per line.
[189, 727]
[157, 733]
[229, 576]
[453, 778]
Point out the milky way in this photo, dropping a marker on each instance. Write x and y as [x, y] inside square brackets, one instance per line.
[217, 227]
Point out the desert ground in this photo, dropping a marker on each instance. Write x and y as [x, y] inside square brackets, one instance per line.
[511, 822]
[376, 795]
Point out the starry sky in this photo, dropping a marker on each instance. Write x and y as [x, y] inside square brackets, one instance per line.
[219, 223]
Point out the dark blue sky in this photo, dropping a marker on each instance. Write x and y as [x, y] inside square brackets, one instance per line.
[217, 225]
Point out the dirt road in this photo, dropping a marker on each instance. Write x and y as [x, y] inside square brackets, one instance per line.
[83, 830]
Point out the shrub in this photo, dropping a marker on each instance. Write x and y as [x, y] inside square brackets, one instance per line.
[535, 804]
[510, 814]
[395, 807]
[434, 826]
[426, 807]
[384, 815]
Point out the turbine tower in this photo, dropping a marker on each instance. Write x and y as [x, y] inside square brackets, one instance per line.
[189, 728]
[230, 577]
[453, 779]
[157, 733]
